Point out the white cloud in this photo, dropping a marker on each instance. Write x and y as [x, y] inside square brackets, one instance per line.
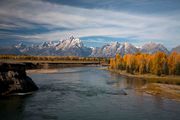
[88, 22]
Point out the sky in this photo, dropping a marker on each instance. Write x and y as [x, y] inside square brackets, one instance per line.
[95, 22]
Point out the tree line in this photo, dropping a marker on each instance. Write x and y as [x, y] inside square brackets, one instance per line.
[52, 58]
[158, 63]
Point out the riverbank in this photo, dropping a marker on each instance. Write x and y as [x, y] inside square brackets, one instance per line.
[163, 86]
[47, 64]
[166, 79]
[42, 71]
[163, 90]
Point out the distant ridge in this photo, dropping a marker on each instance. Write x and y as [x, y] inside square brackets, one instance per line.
[176, 49]
[75, 47]
[153, 47]
[110, 50]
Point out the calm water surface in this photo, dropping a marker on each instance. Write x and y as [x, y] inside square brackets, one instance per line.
[86, 93]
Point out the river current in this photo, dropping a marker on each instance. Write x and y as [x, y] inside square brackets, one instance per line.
[87, 93]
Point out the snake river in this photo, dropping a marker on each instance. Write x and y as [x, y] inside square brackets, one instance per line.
[87, 93]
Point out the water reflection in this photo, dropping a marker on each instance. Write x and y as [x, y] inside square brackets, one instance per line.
[86, 93]
[11, 108]
[126, 82]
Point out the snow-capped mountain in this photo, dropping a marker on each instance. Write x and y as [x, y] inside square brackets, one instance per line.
[44, 45]
[69, 43]
[21, 47]
[176, 49]
[110, 50]
[153, 48]
[72, 46]
[75, 47]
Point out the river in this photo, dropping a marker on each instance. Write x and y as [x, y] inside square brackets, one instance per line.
[87, 93]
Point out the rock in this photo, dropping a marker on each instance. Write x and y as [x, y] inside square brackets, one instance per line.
[13, 79]
[123, 92]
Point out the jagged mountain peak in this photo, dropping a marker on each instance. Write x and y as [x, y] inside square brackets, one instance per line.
[20, 45]
[72, 42]
[127, 45]
[110, 50]
[153, 47]
[44, 44]
[74, 46]
[72, 37]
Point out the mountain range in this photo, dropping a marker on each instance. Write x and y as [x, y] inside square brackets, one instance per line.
[75, 47]
[176, 49]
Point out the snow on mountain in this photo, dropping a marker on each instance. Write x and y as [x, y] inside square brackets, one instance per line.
[44, 45]
[129, 48]
[74, 47]
[21, 47]
[110, 50]
[68, 47]
[70, 43]
[153, 48]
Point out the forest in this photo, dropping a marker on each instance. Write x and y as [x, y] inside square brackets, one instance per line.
[158, 63]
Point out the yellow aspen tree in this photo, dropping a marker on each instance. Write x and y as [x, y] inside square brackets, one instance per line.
[158, 63]
[172, 62]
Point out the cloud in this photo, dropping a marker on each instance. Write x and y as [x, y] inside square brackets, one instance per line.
[84, 22]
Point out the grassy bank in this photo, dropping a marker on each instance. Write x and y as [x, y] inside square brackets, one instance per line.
[166, 79]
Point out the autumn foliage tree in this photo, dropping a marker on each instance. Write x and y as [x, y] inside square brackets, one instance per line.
[130, 63]
[141, 63]
[173, 63]
[112, 63]
[158, 63]
[119, 62]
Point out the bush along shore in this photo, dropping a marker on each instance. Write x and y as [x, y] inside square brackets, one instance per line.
[13, 80]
